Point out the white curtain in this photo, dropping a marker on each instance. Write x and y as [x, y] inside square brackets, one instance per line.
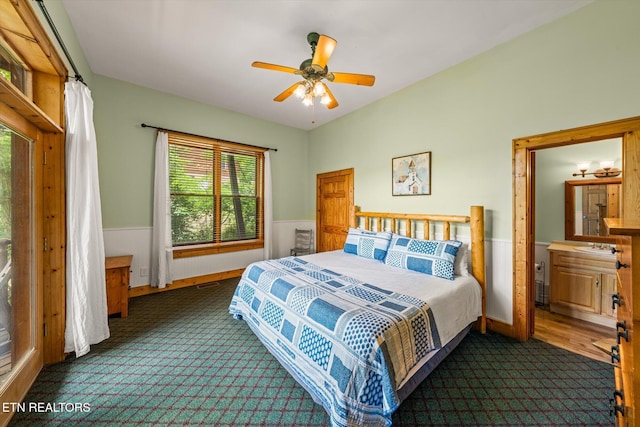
[268, 206]
[161, 246]
[86, 296]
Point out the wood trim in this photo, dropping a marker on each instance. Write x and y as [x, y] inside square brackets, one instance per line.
[17, 122]
[24, 106]
[570, 207]
[523, 240]
[631, 174]
[139, 291]
[215, 248]
[44, 86]
[55, 252]
[478, 259]
[500, 327]
[39, 115]
[25, 375]
[35, 47]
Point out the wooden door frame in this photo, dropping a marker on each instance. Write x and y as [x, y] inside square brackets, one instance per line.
[351, 207]
[39, 116]
[523, 215]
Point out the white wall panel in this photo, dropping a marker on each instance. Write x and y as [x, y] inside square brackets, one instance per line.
[499, 260]
[137, 242]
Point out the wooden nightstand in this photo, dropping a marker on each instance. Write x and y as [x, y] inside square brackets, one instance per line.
[117, 277]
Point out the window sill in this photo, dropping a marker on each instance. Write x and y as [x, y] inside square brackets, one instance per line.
[215, 248]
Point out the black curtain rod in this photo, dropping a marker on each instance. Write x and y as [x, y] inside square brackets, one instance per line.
[202, 136]
[78, 77]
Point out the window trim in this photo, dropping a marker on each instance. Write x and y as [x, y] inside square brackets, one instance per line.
[200, 249]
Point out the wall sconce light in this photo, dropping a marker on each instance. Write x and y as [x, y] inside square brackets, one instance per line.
[606, 169]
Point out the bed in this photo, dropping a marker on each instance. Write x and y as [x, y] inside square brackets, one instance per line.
[359, 328]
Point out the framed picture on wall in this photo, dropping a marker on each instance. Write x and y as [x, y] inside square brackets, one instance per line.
[411, 175]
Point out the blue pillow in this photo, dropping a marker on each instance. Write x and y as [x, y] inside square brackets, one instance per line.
[367, 244]
[434, 257]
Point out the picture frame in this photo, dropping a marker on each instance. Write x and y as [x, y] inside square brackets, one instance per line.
[411, 175]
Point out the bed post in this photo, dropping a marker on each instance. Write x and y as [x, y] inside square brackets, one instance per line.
[477, 259]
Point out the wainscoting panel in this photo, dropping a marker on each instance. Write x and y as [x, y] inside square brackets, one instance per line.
[499, 263]
[137, 242]
[131, 241]
[284, 236]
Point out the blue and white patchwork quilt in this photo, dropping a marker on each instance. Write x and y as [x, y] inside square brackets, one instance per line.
[349, 343]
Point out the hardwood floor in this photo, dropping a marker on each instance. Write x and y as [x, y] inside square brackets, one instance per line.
[572, 334]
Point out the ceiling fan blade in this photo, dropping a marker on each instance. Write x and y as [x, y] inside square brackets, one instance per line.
[274, 67]
[323, 52]
[287, 92]
[333, 103]
[354, 79]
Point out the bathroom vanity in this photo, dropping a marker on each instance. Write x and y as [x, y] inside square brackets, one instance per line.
[582, 279]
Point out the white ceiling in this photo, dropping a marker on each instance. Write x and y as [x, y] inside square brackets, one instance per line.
[203, 49]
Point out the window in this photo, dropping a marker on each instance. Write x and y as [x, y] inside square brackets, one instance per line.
[17, 263]
[12, 70]
[216, 195]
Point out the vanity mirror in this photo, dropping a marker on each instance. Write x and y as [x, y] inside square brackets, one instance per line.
[587, 203]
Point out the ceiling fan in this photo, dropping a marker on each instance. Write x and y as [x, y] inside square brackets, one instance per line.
[314, 70]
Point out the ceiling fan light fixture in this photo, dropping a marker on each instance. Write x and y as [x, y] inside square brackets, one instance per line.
[326, 99]
[301, 89]
[314, 70]
[307, 100]
[318, 89]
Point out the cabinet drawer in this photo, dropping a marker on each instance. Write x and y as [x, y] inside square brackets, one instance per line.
[620, 419]
[589, 263]
[625, 280]
[626, 378]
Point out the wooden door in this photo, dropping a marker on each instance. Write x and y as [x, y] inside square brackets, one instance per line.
[594, 204]
[334, 208]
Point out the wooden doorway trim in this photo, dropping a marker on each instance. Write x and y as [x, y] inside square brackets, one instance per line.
[335, 211]
[523, 215]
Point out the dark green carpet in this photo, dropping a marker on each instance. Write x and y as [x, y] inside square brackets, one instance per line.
[181, 359]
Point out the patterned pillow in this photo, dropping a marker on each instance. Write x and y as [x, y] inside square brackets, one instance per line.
[434, 257]
[367, 244]
[461, 266]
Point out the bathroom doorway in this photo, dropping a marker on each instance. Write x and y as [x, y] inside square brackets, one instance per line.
[524, 155]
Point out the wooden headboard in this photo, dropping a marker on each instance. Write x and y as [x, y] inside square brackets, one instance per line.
[411, 223]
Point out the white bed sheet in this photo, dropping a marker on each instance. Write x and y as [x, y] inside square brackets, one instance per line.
[454, 303]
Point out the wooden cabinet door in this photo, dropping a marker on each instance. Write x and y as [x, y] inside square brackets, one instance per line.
[576, 288]
[609, 286]
[334, 208]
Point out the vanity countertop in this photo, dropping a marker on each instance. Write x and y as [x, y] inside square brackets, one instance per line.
[584, 248]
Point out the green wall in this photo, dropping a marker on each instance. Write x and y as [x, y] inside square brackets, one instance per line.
[578, 70]
[126, 150]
